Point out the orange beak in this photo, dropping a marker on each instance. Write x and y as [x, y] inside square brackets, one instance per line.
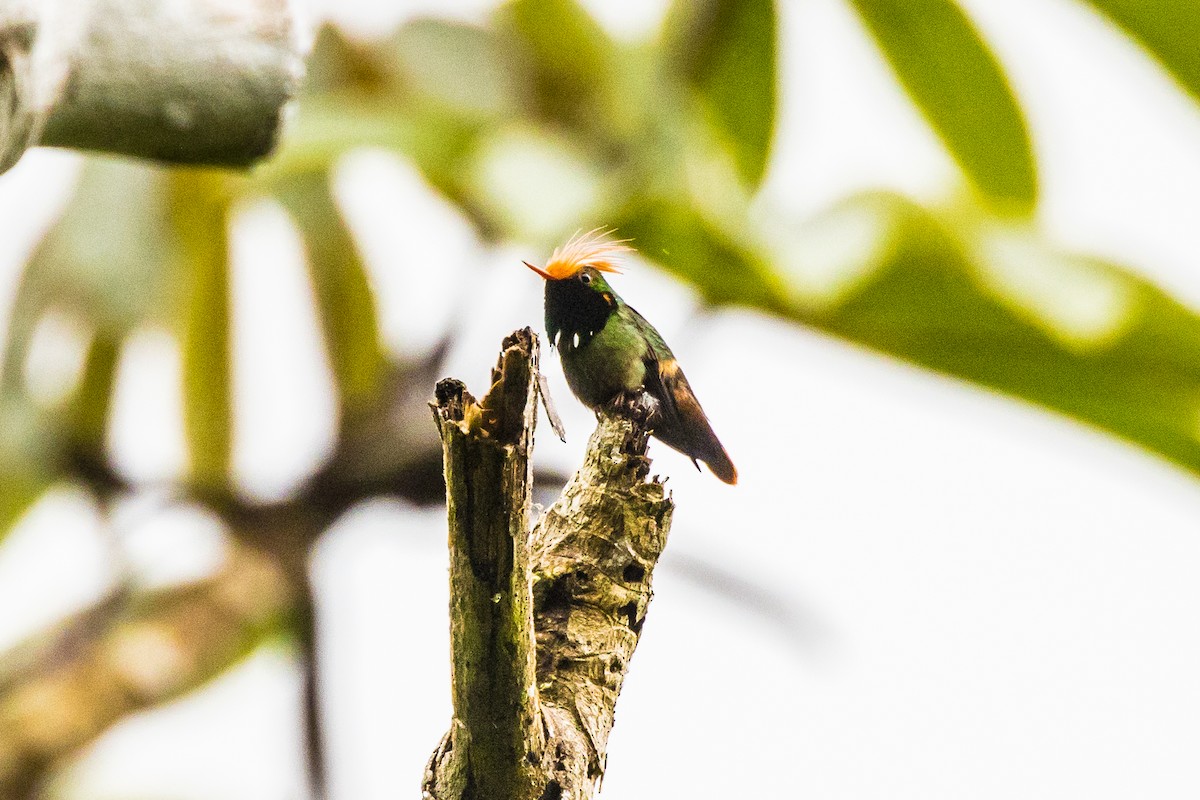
[541, 272]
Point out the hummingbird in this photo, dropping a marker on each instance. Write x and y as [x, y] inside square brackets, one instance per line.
[609, 351]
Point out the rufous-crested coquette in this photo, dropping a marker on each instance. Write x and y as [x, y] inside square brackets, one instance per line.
[609, 350]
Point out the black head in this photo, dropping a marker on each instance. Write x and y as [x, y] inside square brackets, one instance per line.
[578, 305]
[578, 299]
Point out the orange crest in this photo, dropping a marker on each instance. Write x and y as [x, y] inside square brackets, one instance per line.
[592, 249]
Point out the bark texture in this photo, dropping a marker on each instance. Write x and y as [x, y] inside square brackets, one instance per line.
[183, 81]
[543, 621]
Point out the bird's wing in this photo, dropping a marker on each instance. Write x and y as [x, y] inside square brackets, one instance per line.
[682, 423]
[658, 380]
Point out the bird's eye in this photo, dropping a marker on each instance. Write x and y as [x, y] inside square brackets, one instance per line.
[585, 278]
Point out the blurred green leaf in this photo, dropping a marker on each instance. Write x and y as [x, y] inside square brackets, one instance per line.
[108, 262]
[31, 457]
[1169, 29]
[89, 407]
[726, 50]
[966, 294]
[457, 67]
[200, 204]
[337, 63]
[676, 236]
[342, 289]
[450, 66]
[960, 87]
[1074, 334]
[107, 259]
[569, 58]
[330, 125]
[40, 444]
[517, 168]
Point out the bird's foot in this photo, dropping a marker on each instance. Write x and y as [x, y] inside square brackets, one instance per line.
[640, 407]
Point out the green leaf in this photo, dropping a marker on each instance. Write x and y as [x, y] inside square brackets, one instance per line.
[338, 63]
[454, 67]
[678, 238]
[107, 259]
[569, 60]
[1070, 333]
[343, 291]
[1169, 29]
[92, 400]
[31, 457]
[961, 89]
[726, 50]
[200, 202]
[963, 292]
[107, 262]
[40, 444]
[970, 295]
[43, 444]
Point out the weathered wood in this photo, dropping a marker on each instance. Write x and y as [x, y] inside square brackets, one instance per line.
[494, 743]
[543, 622]
[594, 553]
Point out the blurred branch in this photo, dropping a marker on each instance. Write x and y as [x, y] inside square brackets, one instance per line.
[199, 82]
[307, 636]
[543, 624]
[128, 654]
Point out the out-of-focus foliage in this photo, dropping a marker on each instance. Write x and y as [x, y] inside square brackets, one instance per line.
[342, 290]
[108, 266]
[666, 139]
[1167, 29]
[985, 300]
[726, 50]
[961, 89]
[199, 205]
[31, 458]
[539, 123]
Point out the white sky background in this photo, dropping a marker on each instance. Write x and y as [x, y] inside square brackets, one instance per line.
[930, 591]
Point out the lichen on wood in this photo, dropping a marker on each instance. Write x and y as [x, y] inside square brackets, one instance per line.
[544, 621]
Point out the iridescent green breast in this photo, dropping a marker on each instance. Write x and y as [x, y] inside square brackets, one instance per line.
[609, 363]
